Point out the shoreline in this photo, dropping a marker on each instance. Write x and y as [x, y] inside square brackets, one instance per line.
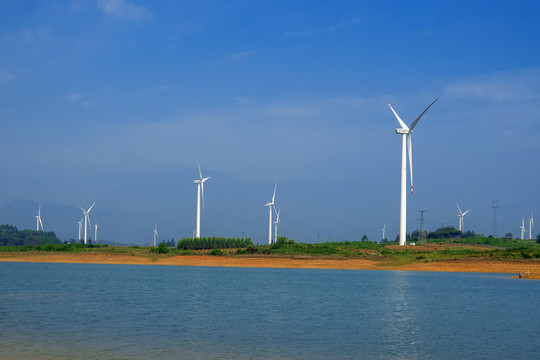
[528, 269]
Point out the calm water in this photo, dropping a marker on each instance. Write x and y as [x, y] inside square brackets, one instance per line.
[87, 311]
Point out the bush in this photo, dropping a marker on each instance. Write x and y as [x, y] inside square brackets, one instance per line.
[161, 249]
[216, 252]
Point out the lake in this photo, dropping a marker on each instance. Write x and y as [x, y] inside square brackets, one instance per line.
[96, 311]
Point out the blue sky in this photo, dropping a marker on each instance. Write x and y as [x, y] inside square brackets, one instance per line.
[105, 100]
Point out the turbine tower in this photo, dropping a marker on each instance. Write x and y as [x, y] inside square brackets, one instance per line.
[460, 216]
[271, 205]
[406, 142]
[155, 234]
[383, 231]
[200, 190]
[522, 227]
[276, 224]
[86, 220]
[95, 232]
[38, 219]
[80, 228]
[531, 224]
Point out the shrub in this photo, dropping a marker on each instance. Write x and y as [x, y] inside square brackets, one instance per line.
[216, 252]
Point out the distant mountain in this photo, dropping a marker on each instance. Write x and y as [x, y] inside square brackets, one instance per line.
[129, 205]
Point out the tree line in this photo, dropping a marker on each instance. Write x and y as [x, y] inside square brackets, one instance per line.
[11, 236]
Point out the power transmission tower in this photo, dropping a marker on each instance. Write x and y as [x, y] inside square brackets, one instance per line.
[422, 234]
[494, 205]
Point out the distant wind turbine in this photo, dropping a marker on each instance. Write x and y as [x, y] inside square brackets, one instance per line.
[406, 133]
[531, 224]
[276, 224]
[200, 190]
[271, 205]
[95, 232]
[383, 231]
[80, 228]
[522, 227]
[86, 220]
[460, 216]
[155, 234]
[38, 219]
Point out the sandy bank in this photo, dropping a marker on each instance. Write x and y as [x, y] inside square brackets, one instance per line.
[529, 269]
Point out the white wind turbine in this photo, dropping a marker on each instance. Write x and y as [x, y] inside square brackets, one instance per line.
[522, 227]
[271, 205]
[95, 233]
[406, 132]
[200, 190]
[80, 228]
[38, 219]
[531, 224]
[155, 234]
[86, 220]
[383, 231]
[276, 224]
[460, 216]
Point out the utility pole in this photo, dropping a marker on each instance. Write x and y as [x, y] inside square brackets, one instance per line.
[494, 205]
[422, 235]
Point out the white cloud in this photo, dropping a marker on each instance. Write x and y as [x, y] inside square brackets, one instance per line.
[297, 34]
[5, 77]
[185, 29]
[504, 86]
[122, 8]
[241, 56]
[73, 97]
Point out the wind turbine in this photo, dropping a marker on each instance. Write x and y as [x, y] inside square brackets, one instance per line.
[155, 234]
[460, 216]
[271, 205]
[95, 232]
[531, 224]
[80, 227]
[86, 220]
[200, 190]
[276, 224]
[38, 219]
[406, 132]
[383, 231]
[522, 227]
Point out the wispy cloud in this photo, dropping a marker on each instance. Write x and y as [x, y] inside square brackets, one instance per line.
[124, 9]
[297, 34]
[5, 77]
[508, 86]
[185, 29]
[241, 56]
[80, 98]
[30, 35]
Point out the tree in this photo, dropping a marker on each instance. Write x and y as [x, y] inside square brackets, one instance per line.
[365, 238]
[508, 236]
[163, 248]
[538, 239]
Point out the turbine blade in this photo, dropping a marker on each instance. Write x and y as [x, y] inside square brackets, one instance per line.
[274, 196]
[202, 194]
[459, 209]
[203, 180]
[418, 118]
[90, 208]
[403, 125]
[199, 166]
[466, 212]
[40, 223]
[410, 160]
[82, 209]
